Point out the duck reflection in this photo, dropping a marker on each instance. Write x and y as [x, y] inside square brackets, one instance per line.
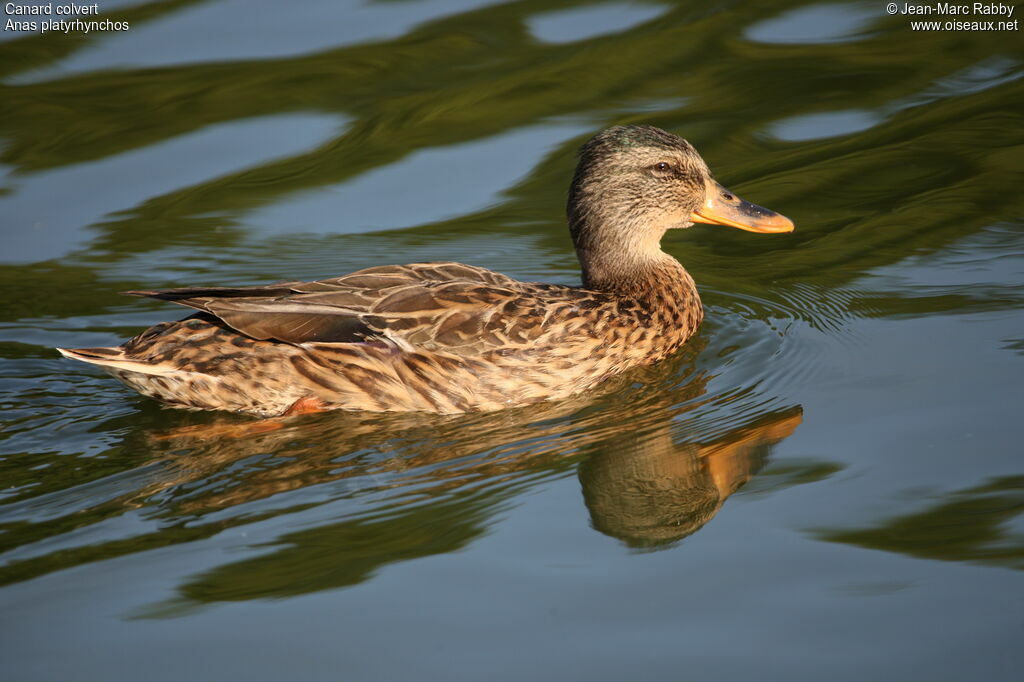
[410, 455]
[643, 482]
[401, 487]
[650, 491]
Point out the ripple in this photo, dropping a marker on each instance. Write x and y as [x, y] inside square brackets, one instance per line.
[826, 309]
[988, 73]
[993, 257]
[582, 23]
[90, 191]
[823, 308]
[805, 127]
[244, 29]
[427, 186]
[804, 334]
[826, 23]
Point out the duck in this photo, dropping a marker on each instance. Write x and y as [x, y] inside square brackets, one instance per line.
[451, 338]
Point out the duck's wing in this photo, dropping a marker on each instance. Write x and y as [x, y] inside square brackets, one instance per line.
[433, 306]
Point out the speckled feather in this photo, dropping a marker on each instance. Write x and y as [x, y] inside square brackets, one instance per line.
[446, 337]
[441, 337]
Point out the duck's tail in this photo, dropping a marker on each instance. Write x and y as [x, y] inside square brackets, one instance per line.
[115, 358]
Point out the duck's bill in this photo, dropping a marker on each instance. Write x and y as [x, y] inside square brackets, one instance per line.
[722, 207]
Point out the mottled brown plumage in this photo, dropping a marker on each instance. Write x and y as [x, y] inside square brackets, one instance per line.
[448, 337]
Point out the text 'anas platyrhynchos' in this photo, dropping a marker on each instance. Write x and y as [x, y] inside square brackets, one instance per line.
[447, 337]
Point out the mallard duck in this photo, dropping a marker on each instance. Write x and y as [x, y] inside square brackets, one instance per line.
[448, 337]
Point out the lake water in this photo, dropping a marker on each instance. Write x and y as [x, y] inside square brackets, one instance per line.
[827, 483]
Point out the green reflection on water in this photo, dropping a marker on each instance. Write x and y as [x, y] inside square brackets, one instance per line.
[968, 525]
[941, 164]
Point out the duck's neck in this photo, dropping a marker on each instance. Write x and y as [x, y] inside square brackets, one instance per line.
[629, 272]
[625, 259]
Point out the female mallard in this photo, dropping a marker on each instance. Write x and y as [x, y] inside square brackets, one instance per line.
[447, 337]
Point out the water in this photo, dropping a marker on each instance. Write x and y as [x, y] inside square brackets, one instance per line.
[826, 483]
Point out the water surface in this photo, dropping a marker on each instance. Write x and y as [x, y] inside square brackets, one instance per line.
[826, 483]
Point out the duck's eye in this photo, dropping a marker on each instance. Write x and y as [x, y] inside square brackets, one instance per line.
[662, 167]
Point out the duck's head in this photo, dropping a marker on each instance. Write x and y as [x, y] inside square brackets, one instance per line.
[632, 184]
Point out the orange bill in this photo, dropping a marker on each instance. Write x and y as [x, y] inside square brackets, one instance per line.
[722, 207]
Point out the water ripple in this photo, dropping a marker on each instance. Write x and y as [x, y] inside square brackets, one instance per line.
[816, 24]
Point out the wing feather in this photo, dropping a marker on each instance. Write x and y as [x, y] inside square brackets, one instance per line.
[434, 306]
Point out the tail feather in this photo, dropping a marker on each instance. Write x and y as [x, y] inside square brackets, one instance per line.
[116, 358]
[185, 293]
